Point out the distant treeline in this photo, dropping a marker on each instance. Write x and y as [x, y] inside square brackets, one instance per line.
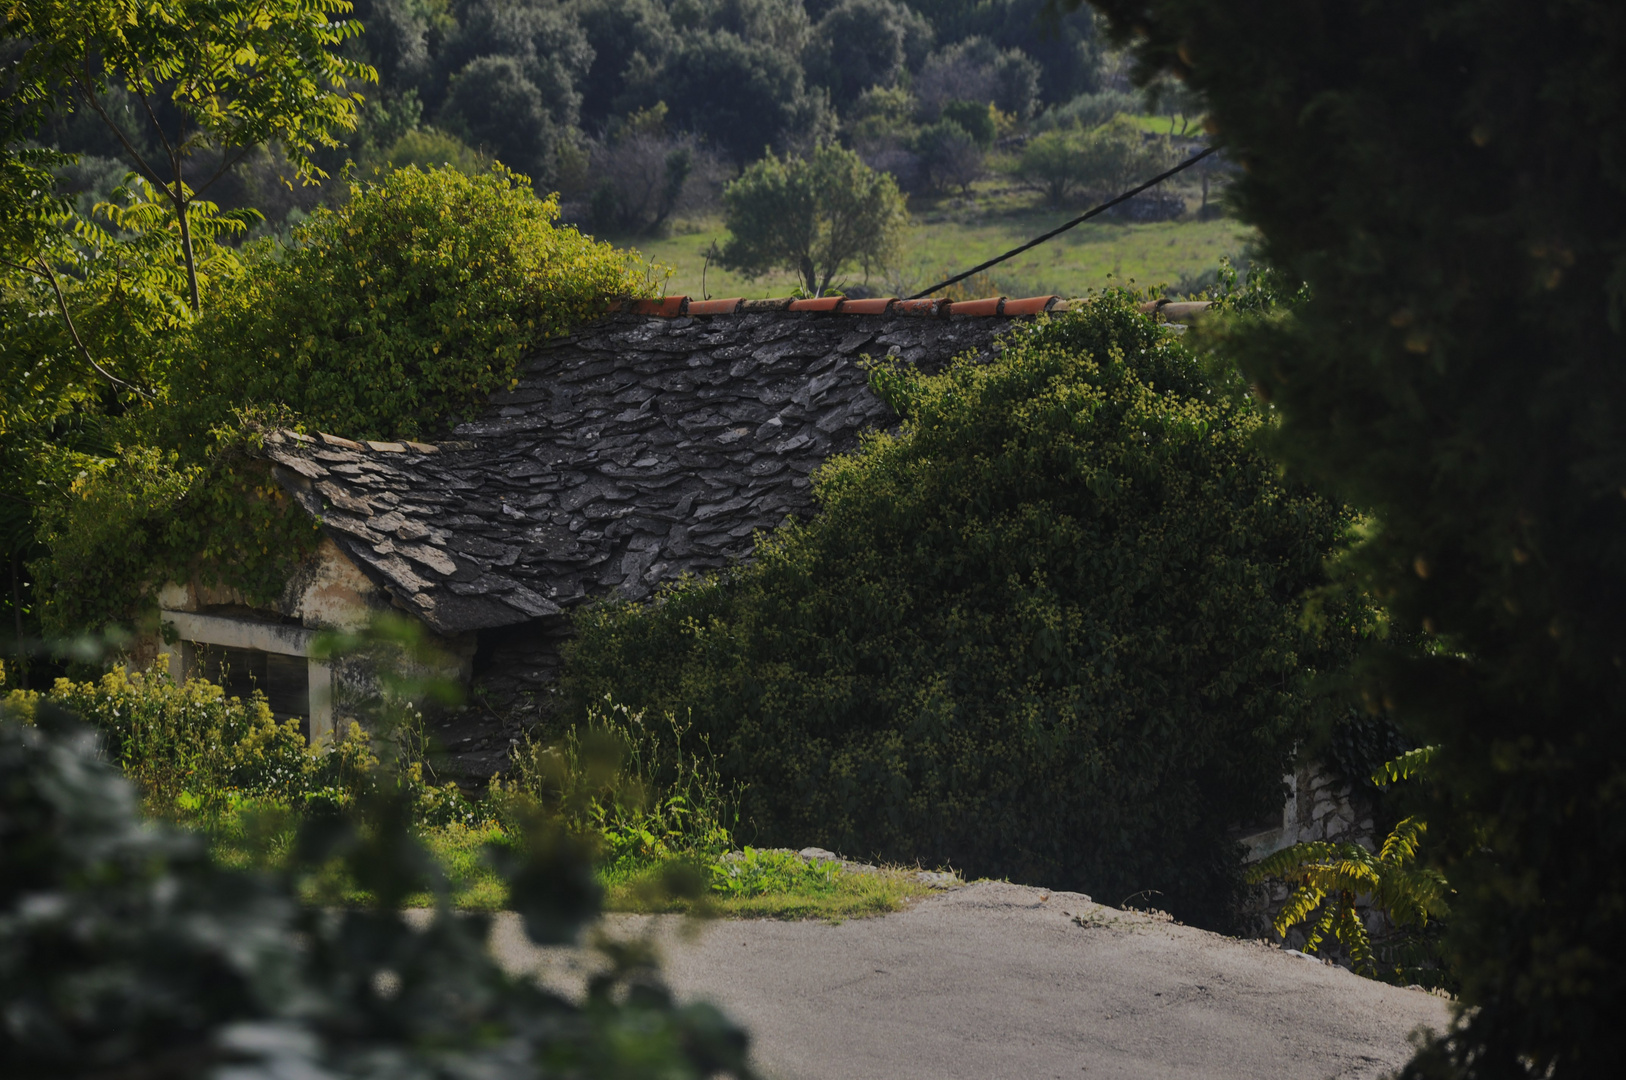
[632, 107]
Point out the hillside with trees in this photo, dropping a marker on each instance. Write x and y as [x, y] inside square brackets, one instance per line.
[631, 108]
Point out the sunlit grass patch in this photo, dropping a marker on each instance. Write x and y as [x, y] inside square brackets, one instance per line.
[951, 234]
[771, 885]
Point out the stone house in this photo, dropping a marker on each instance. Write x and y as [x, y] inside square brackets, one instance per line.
[653, 443]
[650, 444]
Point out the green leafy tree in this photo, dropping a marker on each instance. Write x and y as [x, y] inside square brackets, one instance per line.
[1049, 630]
[492, 105]
[1098, 163]
[949, 154]
[813, 216]
[629, 38]
[859, 44]
[1446, 179]
[740, 95]
[214, 78]
[540, 38]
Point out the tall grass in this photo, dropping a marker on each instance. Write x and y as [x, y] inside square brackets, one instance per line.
[626, 780]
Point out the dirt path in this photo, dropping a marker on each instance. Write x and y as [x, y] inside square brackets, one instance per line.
[996, 981]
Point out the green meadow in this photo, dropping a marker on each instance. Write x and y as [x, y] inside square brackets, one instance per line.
[952, 234]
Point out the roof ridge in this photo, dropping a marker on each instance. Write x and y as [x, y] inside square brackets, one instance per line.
[671, 307]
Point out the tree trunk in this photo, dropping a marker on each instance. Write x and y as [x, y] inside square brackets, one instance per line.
[809, 275]
[186, 248]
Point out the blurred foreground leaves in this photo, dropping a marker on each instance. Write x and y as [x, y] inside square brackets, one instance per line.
[125, 952]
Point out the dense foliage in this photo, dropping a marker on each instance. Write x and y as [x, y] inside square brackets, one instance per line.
[188, 745]
[389, 316]
[125, 951]
[1447, 178]
[127, 523]
[1050, 629]
[215, 79]
[397, 312]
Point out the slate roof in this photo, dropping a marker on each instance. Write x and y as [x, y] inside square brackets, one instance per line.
[648, 445]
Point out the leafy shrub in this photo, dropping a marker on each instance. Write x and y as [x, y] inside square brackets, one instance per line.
[429, 148]
[1049, 630]
[127, 523]
[949, 155]
[396, 313]
[631, 784]
[977, 120]
[197, 755]
[1089, 111]
[1098, 163]
[125, 951]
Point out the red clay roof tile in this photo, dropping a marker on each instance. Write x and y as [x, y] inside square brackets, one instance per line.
[673, 306]
[1032, 305]
[668, 307]
[919, 307]
[715, 307]
[990, 306]
[876, 306]
[818, 303]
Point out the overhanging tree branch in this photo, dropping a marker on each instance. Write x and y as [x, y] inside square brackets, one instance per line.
[42, 267]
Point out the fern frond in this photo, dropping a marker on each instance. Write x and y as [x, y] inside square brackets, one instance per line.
[1299, 906]
[1323, 926]
[1352, 933]
[1401, 846]
[1291, 861]
[1407, 765]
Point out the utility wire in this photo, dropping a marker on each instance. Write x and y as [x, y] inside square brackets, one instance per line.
[1053, 233]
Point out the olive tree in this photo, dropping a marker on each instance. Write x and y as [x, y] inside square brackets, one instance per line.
[814, 216]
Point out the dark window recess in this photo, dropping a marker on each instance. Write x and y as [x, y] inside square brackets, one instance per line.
[284, 680]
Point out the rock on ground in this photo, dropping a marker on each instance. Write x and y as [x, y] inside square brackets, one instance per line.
[995, 981]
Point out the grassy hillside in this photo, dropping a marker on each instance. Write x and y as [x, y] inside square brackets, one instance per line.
[952, 234]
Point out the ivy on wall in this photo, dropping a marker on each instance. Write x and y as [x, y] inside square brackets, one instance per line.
[128, 524]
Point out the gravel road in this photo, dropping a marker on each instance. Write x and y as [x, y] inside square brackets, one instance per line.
[994, 981]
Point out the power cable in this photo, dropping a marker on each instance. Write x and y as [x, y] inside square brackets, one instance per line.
[1053, 233]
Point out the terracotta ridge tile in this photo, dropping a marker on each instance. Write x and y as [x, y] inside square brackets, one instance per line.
[715, 307]
[777, 303]
[816, 303]
[927, 306]
[665, 307]
[985, 307]
[879, 305]
[1031, 305]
